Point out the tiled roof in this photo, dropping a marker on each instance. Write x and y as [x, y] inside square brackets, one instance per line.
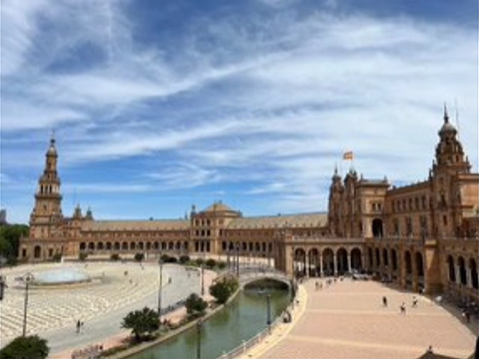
[294, 220]
[136, 225]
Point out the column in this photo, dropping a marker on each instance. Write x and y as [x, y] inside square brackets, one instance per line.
[321, 272]
[308, 265]
[458, 275]
[335, 260]
[363, 262]
[349, 262]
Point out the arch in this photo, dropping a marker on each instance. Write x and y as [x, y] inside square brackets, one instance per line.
[37, 252]
[91, 246]
[385, 257]
[82, 246]
[99, 246]
[419, 264]
[116, 246]
[370, 257]
[342, 260]
[313, 263]
[132, 246]
[451, 269]
[141, 246]
[377, 254]
[473, 273]
[356, 259]
[328, 261]
[299, 263]
[148, 246]
[408, 262]
[462, 270]
[377, 228]
[124, 246]
[394, 259]
[156, 245]
[108, 246]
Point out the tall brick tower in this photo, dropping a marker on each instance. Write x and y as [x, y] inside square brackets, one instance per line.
[47, 212]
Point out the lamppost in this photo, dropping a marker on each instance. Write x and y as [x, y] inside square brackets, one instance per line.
[199, 324]
[160, 288]
[27, 278]
[202, 279]
[268, 312]
[237, 259]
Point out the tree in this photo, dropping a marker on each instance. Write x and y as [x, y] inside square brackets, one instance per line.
[10, 235]
[195, 304]
[115, 257]
[141, 322]
[139, 257]
[184, 259]
[224, 288]
[30, 347]
[82, 256]
[210, 263]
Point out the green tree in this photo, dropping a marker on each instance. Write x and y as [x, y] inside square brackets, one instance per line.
[184, 259]
[30, 347]
[10, 235]
[82, 256]
[210, 263]
[195, 304]
[141, 322]
[115, 257]
[223, 288]
[139, 257]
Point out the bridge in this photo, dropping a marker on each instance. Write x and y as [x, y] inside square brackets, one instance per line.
[251, 274]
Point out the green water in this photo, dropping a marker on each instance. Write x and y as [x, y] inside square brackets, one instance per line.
[241, 320]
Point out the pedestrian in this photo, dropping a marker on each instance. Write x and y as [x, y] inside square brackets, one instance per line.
[317, 285]
[403, 308]
[468, 317]
[78, 326]
[385, 301]
[414, 302]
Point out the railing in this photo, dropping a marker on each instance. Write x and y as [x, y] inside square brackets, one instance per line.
[258, 338]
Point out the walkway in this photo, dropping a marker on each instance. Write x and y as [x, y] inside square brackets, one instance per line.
[347, 320]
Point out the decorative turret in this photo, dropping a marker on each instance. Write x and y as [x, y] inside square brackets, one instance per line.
[89, 214]
[449, 151]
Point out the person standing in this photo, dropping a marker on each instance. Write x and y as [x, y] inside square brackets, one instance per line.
[78, 326]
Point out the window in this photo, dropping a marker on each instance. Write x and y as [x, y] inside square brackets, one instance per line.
[444, 220]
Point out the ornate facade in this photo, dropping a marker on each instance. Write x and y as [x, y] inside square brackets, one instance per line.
[422, 236]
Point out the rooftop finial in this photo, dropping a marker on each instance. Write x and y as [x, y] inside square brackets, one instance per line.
[446, 116]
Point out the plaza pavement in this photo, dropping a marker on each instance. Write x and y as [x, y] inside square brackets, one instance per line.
[100, 304]
[346, 320]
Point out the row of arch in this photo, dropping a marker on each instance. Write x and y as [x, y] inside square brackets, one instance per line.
[461, 272]
[242, 247]
[131, 246]
[389, 259]
[326, 261]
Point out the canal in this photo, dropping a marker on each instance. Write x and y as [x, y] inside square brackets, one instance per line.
[239, 321]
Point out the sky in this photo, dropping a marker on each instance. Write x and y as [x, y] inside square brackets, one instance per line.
[159, 105]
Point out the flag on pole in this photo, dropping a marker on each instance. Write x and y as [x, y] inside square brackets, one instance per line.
[348, 155]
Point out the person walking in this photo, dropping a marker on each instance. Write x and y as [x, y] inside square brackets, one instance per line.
[414, 301]
[385, 301]
[403, 308]
[78, 326]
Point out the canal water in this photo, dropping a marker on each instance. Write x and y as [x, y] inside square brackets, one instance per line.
[239, 321]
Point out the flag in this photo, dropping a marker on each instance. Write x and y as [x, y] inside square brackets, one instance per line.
[348, 155]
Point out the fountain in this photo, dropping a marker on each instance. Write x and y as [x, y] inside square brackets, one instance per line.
[60, 277]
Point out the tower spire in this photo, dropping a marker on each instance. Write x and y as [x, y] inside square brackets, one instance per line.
[446, 116]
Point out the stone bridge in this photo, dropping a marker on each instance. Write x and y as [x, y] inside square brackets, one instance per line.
[249, 275]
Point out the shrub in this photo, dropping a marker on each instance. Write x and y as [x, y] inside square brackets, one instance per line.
[82, 256]
[210, 263]
[195, 304]
[221, 265]
[139, 257]
[57, 257]
[199, 261]
[115, 257]
[224, 288]
[30, 347]
[184, 259]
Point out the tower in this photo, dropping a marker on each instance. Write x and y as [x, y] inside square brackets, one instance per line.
[47, 212]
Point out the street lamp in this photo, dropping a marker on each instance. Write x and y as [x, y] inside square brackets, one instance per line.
[199, 324]
[237, 259]
[202, 279]
[27, 278]
[160, 288]
[268, 312]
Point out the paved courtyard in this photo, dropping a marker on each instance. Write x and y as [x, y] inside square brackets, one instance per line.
[347, 320]
[101, 304]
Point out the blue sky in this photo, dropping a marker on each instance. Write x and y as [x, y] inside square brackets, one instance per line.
[158, 105]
